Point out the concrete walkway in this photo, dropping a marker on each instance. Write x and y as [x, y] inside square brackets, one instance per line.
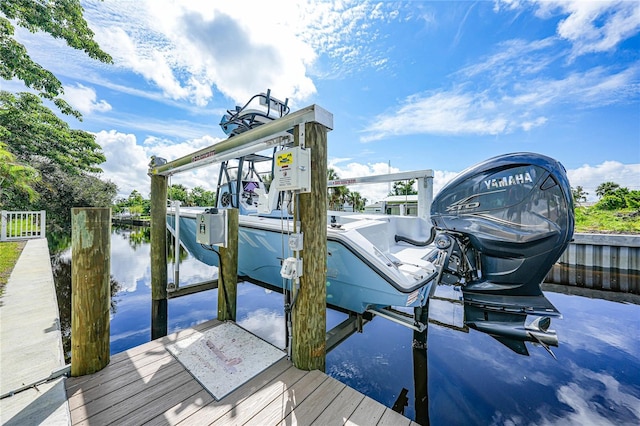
[31, 343]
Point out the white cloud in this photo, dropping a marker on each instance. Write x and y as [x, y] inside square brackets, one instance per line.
[593, 26]
[84, 99]
[446, 112]
[507, 90]
[502, 106]
[128, 162]
[590, 176]
[186, 48]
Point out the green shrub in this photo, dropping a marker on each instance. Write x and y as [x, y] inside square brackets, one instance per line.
[633, 199]
[611, 202]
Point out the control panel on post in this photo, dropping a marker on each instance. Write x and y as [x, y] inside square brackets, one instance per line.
[211, 227]
[292, 170]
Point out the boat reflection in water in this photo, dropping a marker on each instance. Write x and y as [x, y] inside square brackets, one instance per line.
[469, 377]
[511, 327]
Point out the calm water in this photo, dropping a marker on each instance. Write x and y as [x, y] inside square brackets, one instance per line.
[463, 378]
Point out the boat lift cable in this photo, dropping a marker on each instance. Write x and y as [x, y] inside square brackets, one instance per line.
[291, 295]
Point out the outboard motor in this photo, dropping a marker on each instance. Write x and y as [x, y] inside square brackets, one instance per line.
[505, 222]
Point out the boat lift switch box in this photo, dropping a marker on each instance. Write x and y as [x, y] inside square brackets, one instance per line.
[293, 170]
[212, 228]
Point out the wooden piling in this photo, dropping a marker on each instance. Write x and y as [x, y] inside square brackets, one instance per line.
[309, 313]
[158, 256]
[228, 272]
[90, 280]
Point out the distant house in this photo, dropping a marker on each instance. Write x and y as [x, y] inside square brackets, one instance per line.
[406, 205]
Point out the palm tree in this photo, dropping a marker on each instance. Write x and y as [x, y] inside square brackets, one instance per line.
[606, 188]
[337, 194]
[579, 194]
[357, 201]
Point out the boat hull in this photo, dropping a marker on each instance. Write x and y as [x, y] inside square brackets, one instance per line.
[353, 283]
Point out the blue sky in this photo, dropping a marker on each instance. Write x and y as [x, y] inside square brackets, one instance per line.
[415, 84]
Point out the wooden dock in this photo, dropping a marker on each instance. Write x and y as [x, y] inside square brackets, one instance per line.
[147, 385]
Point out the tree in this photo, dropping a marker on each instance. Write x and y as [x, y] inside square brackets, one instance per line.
[357, 201]
[606, 188]
[404, 188]
[201, 197]
[135, 199]
[633, 199]
[31, 130]
[337, 194]
[178, 192]
[16, 177]
[579, 194]
[60, 191]
[612, 199]
[61, 19]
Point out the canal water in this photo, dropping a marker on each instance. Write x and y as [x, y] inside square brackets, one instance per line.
[463, 378]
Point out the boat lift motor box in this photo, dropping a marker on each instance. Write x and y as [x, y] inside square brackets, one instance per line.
[293, 170]
[212, 228]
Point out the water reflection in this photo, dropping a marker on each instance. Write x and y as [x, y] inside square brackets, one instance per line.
[472, 378]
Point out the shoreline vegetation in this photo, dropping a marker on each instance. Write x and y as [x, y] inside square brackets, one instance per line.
[596, 221]
[9, 254]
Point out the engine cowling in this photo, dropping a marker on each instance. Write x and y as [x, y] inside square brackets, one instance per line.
[515, 213]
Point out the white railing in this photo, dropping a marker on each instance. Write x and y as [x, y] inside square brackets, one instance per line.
[22, 225]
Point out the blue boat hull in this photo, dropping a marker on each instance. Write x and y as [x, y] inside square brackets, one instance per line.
[353, 283]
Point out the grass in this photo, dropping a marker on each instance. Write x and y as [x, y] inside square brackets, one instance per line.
[9, 254]
[22, 227]
[591, 220]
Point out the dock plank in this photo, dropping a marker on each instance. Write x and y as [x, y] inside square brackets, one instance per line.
[150, 409]
[217, 409]
[368, 412]
[279, 408]
[106, 384]
[391, 418]
[261, 398]
[183, 409]
[127, 392]
[315, 404]
[341, 408]
[112, 371]
[146, 394]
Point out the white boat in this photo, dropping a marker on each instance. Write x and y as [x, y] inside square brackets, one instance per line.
[494, 233]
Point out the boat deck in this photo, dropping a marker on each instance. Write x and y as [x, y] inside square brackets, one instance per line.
[147, 385]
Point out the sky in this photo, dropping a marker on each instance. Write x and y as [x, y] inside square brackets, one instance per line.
[412, 85]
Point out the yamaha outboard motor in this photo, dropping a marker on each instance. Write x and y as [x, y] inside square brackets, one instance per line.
[504, 223]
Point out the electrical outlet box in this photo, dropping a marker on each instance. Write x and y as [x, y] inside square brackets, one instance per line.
[211, 228]
[293, 170]
[291, 268]
[296, 241]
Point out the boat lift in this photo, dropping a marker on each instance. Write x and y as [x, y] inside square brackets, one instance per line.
[271, 134]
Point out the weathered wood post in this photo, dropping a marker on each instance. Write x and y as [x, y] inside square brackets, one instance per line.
[90, 280]
[228, 272]
[158, 256]
[310, 312]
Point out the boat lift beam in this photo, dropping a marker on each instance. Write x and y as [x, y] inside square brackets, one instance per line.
[267, 135]
[425, 185]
